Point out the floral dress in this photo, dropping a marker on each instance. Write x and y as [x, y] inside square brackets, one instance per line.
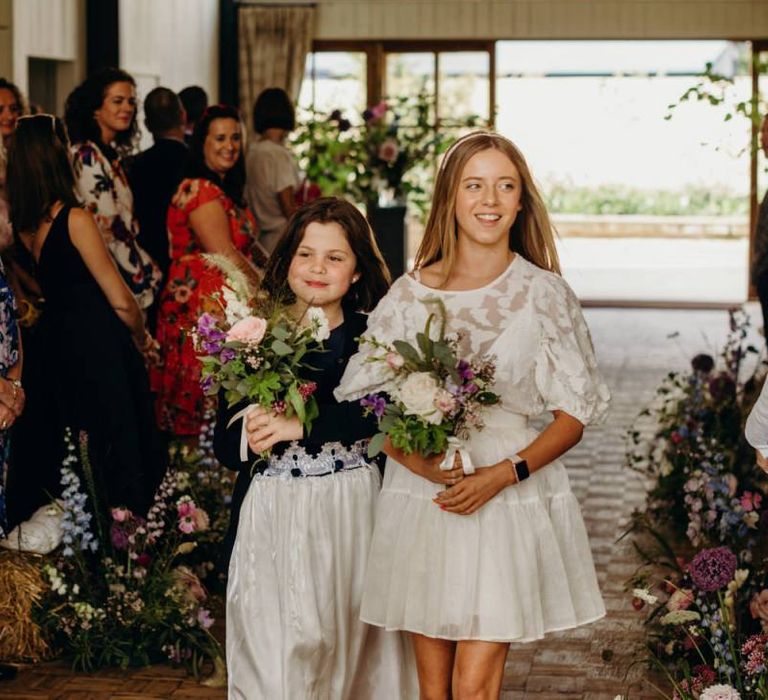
[188, 293]
[9, 356]
[104, 189]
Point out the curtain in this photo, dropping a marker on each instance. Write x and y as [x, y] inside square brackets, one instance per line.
[273, 47]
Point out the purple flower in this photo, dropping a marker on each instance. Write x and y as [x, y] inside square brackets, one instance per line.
[227, 355]
[206, 383]
[204, 618]
[211, 347]
[377, 404]
[471, 388]
[712, 569]
[464, 370]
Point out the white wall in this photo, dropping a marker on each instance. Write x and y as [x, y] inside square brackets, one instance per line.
[174, 43]
[50, 29]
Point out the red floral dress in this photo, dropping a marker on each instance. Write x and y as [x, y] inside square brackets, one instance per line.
[180, 402]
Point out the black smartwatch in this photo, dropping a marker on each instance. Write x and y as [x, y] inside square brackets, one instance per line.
[520, 468]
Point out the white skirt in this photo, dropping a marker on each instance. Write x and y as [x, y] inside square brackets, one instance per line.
[294, 592]
[517, 568]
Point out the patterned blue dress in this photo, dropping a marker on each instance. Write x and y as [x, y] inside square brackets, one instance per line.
[9, 356]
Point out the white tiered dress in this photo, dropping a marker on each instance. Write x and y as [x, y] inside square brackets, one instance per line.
[521, 565]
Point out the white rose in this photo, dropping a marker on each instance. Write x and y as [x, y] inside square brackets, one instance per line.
[318, 322]
[720, 692]
[417, 394]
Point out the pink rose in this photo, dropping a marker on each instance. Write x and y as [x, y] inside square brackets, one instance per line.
[750, 501]
[758, 608]
[379, 110]
[250, 330]
[681, 599]
[395, 360]
[201, 519]
[389, 150]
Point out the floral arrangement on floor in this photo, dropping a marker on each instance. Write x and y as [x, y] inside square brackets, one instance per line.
[433, 398]
[210, 484]
[388, 153]
[120, 594]
[254, 348]
[703, 580]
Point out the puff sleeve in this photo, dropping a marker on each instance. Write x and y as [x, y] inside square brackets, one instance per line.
[756, 429]
[362, 377]
[566, 368]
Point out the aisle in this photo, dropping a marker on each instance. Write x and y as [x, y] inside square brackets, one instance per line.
[589, 663]
[634, 352]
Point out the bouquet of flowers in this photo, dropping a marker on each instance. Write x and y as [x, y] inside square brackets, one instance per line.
[255, 348]
[119, 594]
[434, 397]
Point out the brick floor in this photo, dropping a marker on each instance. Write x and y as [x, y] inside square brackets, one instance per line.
[594, 662]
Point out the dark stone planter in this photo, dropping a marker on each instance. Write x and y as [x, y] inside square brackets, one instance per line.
[388, 224]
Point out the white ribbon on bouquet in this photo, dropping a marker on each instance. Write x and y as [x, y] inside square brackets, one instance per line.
[456, 446]
[242, 415]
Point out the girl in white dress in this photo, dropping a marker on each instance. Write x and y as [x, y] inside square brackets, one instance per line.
[296, 573]
[501, 555]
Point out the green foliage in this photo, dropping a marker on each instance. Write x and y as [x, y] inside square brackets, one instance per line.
[567, 198]
[392, 148]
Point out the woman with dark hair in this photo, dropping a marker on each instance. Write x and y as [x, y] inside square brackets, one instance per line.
[273, 176]
[207, 215]
[295, 579]
[101, 120]
[11, 108]
[91, 334]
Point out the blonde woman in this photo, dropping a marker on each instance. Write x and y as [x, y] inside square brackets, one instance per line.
[500, 555]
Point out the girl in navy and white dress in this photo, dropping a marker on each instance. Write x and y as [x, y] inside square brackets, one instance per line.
[501, 555]
[297, 567]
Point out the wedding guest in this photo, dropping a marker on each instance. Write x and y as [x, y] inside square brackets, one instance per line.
[91, 334]
[307, 518]
[207, 215]
[11, 391]
[195, 101]
[273, 175]
[155, 174]
[756, 428]
[502, 554]
[11, 107]
[101, 118]
[760, 251]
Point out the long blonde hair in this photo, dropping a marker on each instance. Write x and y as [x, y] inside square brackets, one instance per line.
[532, 235]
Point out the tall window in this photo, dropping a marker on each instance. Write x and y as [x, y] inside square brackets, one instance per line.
[648, 207]
[334, 80]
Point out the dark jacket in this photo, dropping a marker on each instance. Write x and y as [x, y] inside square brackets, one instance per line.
[338, 422]
[154, 175]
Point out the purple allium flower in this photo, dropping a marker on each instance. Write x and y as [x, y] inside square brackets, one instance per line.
[377, 404]
[712, 569]
[227, 355]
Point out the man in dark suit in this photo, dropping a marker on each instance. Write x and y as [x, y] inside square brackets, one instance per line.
[155, 174]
